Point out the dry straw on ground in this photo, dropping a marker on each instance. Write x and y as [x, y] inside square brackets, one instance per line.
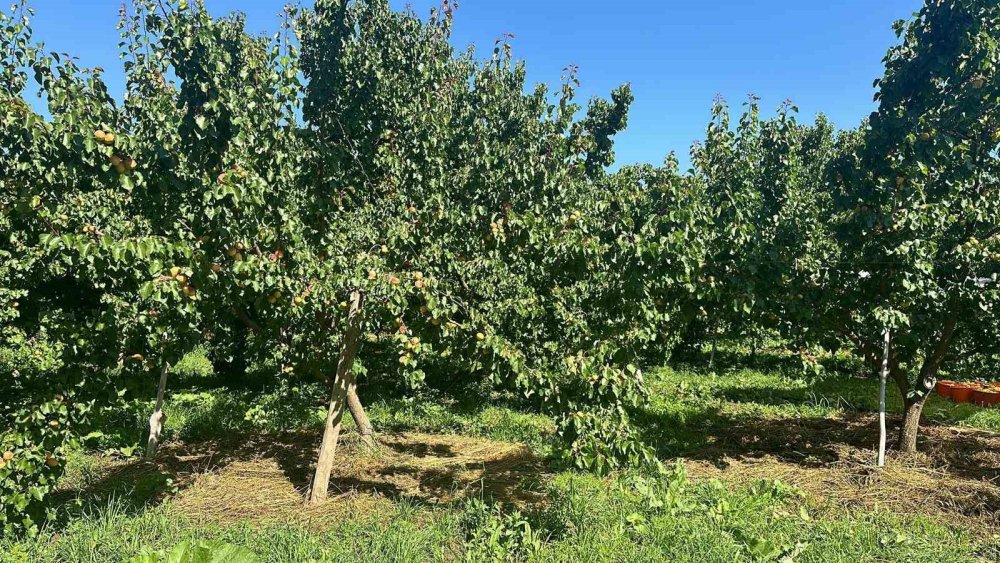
[422, 468]
[956, 476]
[264, 478]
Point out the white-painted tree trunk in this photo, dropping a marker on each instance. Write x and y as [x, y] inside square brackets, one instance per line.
[711, 357]
[158, 418]
[883, 378]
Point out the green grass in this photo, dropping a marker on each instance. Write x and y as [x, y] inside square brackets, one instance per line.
[691, 407]
[195, 414]
[686, 401]
[114, 532]
[588, 518]
[626, 516]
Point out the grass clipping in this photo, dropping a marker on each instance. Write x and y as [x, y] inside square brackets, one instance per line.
[956, 476]
[426, 469]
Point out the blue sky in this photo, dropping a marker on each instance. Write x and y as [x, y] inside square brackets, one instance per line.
[677, 54]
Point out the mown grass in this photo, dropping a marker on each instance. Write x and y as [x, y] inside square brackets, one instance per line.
[589, 518]
[626, 516]
[685, 402]
[195, 414]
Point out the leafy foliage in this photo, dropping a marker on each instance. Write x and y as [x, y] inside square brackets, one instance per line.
[916, 206]
[246, 186]
[197, 552]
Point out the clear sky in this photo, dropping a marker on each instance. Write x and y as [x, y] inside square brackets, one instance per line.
[678, 54]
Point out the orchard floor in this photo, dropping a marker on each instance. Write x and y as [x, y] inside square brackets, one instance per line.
[773, 465]
[265, 478]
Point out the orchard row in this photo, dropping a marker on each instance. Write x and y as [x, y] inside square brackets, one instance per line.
[352, 196]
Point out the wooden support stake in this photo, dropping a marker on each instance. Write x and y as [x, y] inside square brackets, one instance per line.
[343, 381]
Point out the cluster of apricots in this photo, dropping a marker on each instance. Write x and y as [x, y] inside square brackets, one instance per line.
[183, 278]
[121, 163]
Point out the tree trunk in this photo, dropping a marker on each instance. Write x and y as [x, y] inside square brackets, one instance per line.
[914, 402]
[883, 379]
[911, 423]
[343, 381]
[711, 357]
[364, 425]
[353, 402]
[158, 418]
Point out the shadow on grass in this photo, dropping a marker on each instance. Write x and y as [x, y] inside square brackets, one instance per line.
[137, 484]
[711, 434]
[848, 393]
[133, 485]
[267, 476]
